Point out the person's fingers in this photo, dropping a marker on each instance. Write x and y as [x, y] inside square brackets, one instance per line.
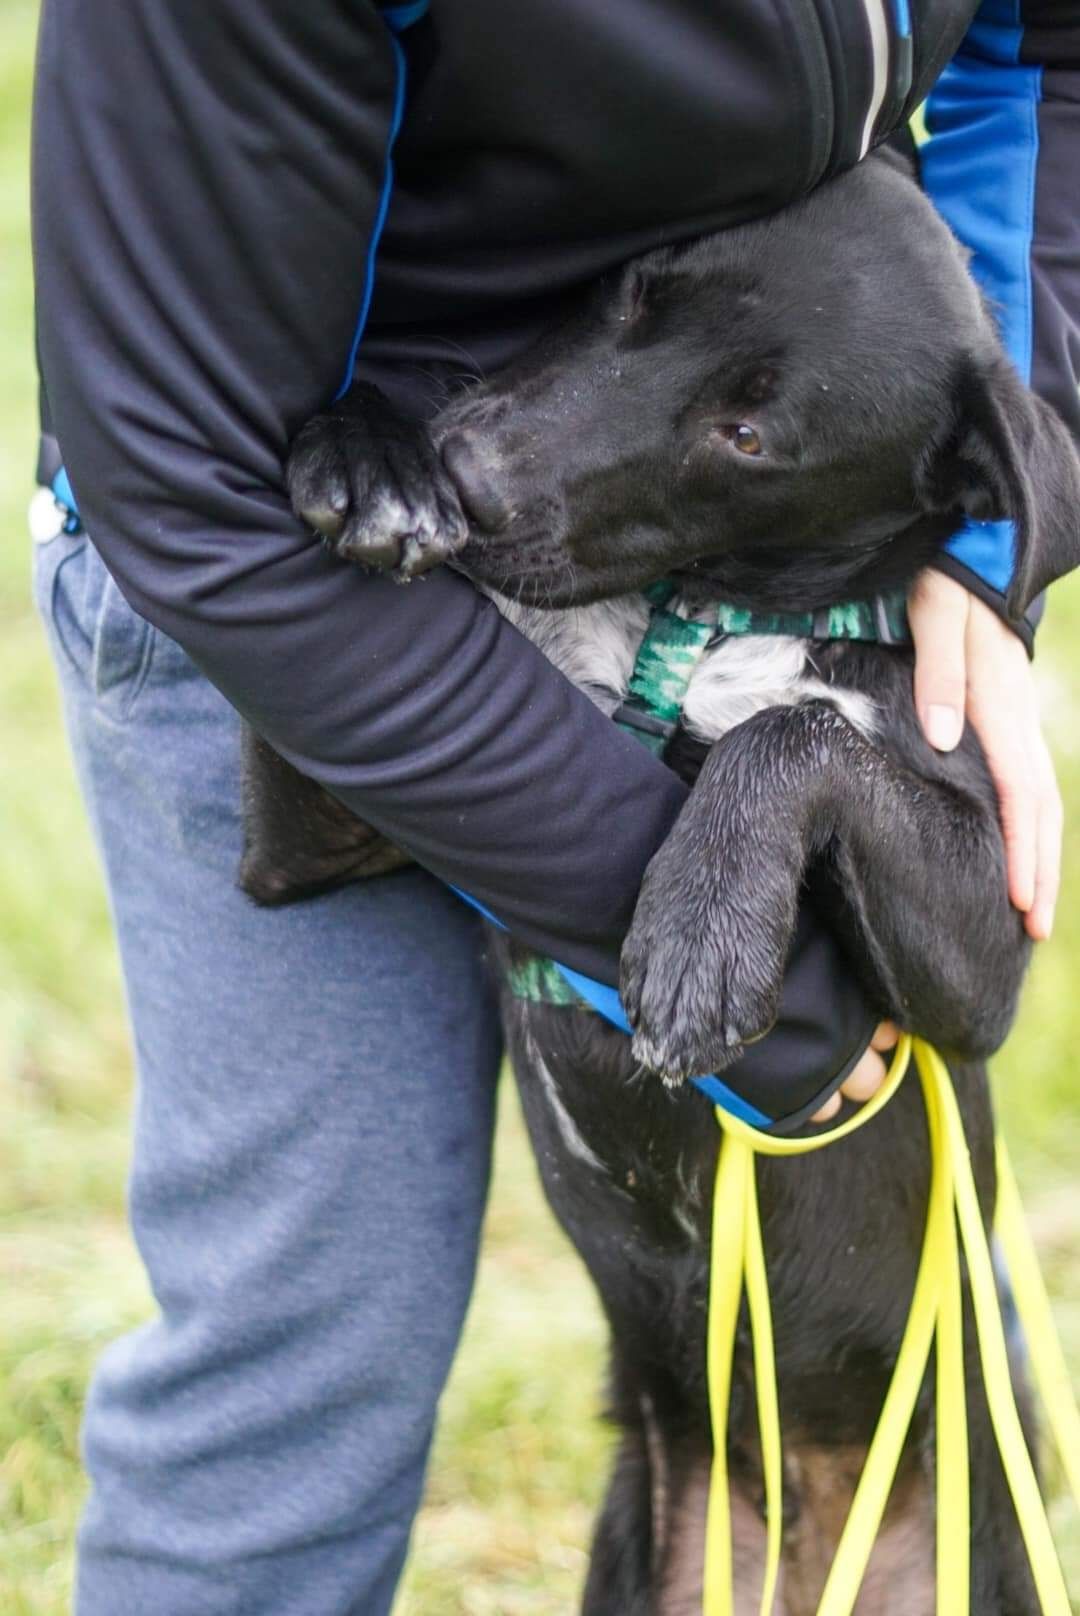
[886, 1034]
[1007, 758]
[866, 1076]
[1004, 712]
[1051, 821]
[969, 663]
[938, 614]
[865, 1080]
[828, 1110]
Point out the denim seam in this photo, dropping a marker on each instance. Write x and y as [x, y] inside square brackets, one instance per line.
[117, 702]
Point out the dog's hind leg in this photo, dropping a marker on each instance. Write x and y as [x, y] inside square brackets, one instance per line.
[649, 1553]
[619, 1581]
[298, 839]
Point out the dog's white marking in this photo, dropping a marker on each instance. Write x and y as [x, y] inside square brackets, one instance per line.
[741, 676]
[685, 1205]
[685, 1222]
[595, 646]
[565, 1123]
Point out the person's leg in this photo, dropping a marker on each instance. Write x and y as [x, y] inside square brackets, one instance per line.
[312, 1132]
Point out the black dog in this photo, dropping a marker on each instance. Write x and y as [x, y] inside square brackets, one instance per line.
[791, 413]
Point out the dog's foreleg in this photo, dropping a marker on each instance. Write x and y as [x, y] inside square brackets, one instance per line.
[918, 864]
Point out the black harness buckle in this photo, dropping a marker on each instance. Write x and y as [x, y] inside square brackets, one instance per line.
[632, 717]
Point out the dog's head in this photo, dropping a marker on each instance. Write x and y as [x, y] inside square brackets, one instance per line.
[798, 409]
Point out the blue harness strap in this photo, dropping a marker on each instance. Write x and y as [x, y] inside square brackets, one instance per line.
[605, 1001]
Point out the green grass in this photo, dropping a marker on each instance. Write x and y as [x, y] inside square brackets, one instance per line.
[520, 1456]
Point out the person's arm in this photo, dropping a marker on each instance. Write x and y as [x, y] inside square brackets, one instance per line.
[207, 186]
[1004, 124]
[207, 180]
[1001, 167]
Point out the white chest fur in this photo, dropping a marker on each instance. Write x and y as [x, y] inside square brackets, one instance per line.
[595, 646]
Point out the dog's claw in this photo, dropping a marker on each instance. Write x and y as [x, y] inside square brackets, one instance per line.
[688, 1022]
[325, 520]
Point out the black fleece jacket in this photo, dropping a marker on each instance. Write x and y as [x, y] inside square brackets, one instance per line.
[213, 183]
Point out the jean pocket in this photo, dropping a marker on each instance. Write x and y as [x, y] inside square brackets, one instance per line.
[106, 644]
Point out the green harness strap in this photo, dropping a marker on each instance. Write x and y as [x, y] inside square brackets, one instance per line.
[667, 658]
[673, 646]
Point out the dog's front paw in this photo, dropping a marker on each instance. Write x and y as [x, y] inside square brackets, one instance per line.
[372, 484]
[703, 964]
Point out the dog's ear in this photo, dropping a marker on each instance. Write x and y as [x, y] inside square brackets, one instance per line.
[1005, 454]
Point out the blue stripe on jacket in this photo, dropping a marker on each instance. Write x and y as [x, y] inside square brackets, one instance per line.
[979, 168]
[397, 19]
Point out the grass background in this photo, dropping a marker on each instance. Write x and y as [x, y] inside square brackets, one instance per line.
[520, 1456]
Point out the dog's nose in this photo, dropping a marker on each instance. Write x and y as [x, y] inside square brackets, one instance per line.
[473, 464]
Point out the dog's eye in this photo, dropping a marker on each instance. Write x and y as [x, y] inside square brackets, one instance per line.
[743, 438]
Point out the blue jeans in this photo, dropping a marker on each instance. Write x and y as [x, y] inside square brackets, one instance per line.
[311, 1149]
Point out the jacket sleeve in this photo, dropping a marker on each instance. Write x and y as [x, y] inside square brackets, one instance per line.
[208, 181]
[1001, 166]
[208, 186]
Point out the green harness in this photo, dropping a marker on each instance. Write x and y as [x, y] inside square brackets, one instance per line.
[670, 651]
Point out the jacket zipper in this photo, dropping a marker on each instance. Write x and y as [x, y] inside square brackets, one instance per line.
[891, 56]
[889, 26]
[878, 24]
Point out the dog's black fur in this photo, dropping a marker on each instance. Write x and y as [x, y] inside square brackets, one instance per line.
[846, 337]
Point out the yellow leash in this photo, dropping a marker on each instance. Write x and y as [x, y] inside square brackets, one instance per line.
[953, 1221]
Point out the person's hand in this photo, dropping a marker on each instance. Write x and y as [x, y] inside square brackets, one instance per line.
[865, 1077]
[969, 663]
